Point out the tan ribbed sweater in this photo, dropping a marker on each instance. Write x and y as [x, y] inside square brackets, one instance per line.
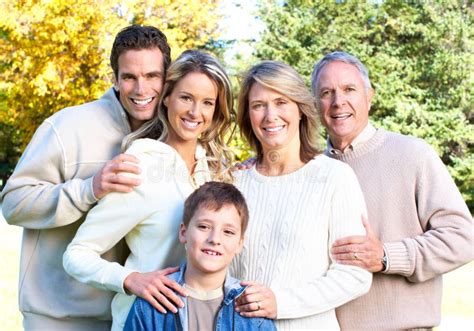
[294, 219]
[417, 211]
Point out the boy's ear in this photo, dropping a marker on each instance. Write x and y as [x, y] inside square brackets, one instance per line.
[241, 246]
[182, 233]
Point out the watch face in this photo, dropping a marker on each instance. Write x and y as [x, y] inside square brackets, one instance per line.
[384, 262]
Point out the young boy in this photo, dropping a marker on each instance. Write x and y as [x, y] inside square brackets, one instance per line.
[214, 222]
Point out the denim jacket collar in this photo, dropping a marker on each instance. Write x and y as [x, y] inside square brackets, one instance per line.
[232, 290]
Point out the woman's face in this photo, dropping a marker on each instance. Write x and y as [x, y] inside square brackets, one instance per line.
[274, 117]
[191, 107]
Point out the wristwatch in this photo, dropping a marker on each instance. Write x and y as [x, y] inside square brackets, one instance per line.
[384, 261]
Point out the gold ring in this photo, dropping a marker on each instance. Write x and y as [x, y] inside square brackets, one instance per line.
[354, 256]
[258, 305]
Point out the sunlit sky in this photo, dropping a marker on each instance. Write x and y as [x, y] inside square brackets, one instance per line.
[240, 24]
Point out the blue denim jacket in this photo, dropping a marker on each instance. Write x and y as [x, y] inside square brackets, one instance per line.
[143, 316]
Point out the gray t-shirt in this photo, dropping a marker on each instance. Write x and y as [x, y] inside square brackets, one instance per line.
[203, 307]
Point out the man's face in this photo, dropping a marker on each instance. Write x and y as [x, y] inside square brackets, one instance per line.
[139, 82]
[343, 102]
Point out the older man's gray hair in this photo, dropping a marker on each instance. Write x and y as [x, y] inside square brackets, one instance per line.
[341, 57]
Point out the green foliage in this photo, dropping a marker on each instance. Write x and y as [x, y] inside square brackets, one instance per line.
[419, 54]
[54, 54]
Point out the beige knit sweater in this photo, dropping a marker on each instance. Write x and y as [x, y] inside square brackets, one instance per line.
[417, 211]
[49, 194]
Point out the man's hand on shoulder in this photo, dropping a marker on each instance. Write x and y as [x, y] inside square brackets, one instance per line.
[361, 251]
[109, 178]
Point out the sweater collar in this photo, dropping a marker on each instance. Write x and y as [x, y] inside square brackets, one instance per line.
[118, 113]
[366, 134]
[375, 142]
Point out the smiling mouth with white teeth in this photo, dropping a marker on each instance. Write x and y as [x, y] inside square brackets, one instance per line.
[142, 102]
[341, 116]
[274, 129]
[212, 253]
[190, 124]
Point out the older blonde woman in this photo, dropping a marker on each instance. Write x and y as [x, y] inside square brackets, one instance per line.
[178, 152]
[300, 202]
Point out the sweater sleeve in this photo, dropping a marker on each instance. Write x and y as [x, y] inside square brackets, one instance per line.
[38, 195]
[115, 216]
[447, 241]
[341, 283]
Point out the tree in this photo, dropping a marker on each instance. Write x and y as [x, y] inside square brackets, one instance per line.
[420, 56]
[55, 53]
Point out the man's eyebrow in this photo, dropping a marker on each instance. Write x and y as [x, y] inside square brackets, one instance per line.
[155, 72]
[127, 74]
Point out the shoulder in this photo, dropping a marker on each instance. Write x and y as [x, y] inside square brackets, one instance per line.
[332, 167]
[241, 175]
[151, 153]
[407, 152]
[94, 112]
[147, 146]
[143, 315]
[142, 307]
[401, 143]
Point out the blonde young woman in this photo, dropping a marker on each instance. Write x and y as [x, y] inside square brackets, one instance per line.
[178, 151]
[300, 202]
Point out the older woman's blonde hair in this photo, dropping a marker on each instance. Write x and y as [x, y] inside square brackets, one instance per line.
[213, 139]
[283, 79]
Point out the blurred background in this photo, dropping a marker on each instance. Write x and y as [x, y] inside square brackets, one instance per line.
[420, 56]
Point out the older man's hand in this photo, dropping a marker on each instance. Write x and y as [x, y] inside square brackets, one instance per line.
[362, 251]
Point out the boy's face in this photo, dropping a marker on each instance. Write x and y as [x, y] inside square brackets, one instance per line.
[212, 239]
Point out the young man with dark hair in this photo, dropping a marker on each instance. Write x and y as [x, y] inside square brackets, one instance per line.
[65, 170]
[214, 223]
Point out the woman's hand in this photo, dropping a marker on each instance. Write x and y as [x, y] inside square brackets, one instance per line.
[256, 301]
[156, 288]
[244, 165]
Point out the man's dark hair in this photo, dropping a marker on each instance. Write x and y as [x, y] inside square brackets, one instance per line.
[138, 37]
[214, 196]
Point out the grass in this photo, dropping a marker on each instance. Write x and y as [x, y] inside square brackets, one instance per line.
[458, 294]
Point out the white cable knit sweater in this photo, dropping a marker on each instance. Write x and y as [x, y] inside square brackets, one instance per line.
[294, 219]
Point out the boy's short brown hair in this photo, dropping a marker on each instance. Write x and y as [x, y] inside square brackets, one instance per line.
[213, 196]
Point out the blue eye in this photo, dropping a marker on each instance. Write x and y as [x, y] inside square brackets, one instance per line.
[324, 93]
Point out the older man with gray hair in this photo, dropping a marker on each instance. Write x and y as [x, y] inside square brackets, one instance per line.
[419, 226]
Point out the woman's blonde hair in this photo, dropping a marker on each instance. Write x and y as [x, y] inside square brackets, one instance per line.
[213, 139]
[283, 79]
